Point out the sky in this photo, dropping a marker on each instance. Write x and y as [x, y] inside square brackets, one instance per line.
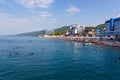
[19, 16]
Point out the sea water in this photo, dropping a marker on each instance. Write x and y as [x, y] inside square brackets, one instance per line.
[30, 58]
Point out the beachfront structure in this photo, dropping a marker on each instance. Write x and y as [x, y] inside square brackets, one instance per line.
[112, 26]
[76, 29]
[109, 25]
[117, 25]
[46, 32]
[49, 32]
[67, 33]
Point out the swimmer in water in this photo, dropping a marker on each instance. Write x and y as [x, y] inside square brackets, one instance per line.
[10, 54]
[97, 48]
[84, 45]
[117, 61]
[16, 53]
[118, 57]
[43, 48]
[119, 49]
[31, 53]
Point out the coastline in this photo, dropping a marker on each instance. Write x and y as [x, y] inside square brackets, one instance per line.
[94, 40]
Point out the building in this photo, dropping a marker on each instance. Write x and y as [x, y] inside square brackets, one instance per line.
[109, 25]
[112, 26]
[66, 33]
[117, 25]
[76, 29]
[49, 32]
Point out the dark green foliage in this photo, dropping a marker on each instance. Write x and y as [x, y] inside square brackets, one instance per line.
[89, 28]
[100, 27]
[59, 31]
[63, 29]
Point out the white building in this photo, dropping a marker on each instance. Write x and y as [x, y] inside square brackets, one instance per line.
[76, 29]
[48, 32]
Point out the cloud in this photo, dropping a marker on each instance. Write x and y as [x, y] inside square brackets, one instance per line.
[73, 9]
[10, 24]
[45, 14]
[36, 3]
[118, 15]
[2, 1]
[14, 24]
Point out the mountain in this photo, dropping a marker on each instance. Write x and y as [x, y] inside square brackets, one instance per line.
[98, 27]
[57, 31]
[61, 30]
[35, 33]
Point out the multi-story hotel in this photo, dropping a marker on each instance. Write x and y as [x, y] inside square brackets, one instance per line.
[76, 29]
[109, 25]
[113, 26]
[117, 25]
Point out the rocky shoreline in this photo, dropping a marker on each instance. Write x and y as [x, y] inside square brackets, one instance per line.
[95, 40]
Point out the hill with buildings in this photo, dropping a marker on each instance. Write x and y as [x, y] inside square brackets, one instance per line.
[58, 31]
[61, 30]
[100, 27]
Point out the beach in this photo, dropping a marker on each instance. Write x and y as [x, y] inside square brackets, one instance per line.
[95, 40]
